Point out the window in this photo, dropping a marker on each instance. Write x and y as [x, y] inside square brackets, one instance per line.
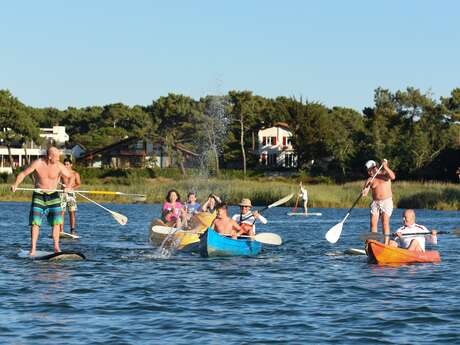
[272, 159]
[264, 141]
[289, 160]
[284, 141]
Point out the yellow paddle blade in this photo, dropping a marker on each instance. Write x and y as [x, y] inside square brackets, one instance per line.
[203, 218]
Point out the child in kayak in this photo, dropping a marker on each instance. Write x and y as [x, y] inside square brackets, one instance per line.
[412, 236]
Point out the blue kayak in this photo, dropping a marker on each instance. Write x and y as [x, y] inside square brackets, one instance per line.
[213, 244]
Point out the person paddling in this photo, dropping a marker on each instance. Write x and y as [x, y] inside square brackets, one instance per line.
[304, 195]
[223, 224]
[69, 200]
[48, 172]
[382, 201]
[246, 219]
[412, 236]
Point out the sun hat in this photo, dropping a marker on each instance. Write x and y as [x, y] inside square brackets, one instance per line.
[370, 164]
[245, 202]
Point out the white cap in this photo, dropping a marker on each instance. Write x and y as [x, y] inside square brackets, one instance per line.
[370, 164]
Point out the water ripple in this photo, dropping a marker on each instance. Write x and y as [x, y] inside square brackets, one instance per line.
[304, 292]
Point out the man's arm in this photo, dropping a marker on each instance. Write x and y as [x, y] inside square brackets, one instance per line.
[77, 181]
[366, 187]
[390, 173]
[67, 174]
[22, 175]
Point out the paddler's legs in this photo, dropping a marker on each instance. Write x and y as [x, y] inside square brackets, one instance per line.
[34, 232]
[374, 221]
[56, 230]
[61, 227]
[72, 221]
[415, 246]
[386, 227]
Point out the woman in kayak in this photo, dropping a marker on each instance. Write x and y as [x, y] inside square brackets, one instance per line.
[172, 211]
[210, 204]
[412, 236]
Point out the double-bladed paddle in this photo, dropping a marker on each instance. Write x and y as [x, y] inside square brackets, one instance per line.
[333, 235]
[266, 238]
[276, 203]
[378, 236]
[95, 192]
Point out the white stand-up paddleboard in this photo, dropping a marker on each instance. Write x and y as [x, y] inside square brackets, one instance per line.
[304, 214]
[354, 251]
[50, 256]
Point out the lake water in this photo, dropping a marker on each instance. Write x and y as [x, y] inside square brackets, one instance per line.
[303, 292]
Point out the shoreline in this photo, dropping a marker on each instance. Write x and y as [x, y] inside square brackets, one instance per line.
[427, 195]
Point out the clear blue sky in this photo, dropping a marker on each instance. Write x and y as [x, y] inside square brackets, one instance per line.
[79, 53]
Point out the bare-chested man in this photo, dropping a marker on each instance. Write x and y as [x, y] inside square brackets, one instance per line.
[382, 202]
[68, 200]
[47, 171]
[223, 224]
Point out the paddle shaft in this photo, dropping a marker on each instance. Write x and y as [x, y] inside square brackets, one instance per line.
[94, 202]
[361, 193]
[121, 219]
[276, 203]
[100, 192]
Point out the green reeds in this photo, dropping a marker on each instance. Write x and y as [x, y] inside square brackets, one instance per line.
[263, 191]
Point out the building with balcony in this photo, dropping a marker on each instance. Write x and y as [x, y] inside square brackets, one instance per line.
[275, 147]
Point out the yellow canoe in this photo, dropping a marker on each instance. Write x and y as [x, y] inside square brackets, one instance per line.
[159, 231]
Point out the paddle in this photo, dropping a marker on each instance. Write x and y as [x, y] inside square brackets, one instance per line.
[333, 235]
[266, 237]
[121, 219]
[296, 202]
[99, 192]
[276, 203]
[378, 236]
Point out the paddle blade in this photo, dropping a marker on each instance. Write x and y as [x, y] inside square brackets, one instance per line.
[333, 235]
[121, 219]
[269, 238]
[281, 201]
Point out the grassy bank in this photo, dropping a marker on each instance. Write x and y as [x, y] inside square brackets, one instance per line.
[263, 191]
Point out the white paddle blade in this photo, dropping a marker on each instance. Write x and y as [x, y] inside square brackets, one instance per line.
[121, 219]
[281, 201]
[269, 238]
[333, 235]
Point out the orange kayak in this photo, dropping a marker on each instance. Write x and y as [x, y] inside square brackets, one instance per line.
[379, 253]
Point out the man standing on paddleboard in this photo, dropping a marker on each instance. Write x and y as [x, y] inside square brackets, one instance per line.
[382, 196]
[46, 201]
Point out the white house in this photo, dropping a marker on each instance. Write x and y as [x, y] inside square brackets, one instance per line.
[275, 147]
[56, 135]
[31, 151]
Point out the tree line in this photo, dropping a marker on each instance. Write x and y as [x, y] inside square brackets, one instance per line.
[418, 134]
